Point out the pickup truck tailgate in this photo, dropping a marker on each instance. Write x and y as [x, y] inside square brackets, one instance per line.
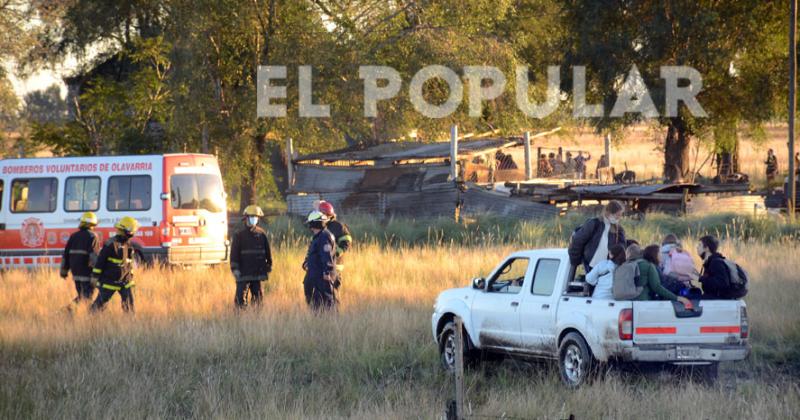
[656, 322]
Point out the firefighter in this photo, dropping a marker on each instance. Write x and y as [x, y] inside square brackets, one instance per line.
[341, 237]
[320, 265]
[251, 258]
[80, 255]
[113, 271]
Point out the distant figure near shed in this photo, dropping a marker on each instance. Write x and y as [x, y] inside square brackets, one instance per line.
[580, 164]
[771, 167]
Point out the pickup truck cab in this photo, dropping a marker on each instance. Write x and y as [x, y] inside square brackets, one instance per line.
[536, 304]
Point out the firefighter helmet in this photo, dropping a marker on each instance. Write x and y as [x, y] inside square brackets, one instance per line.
[326, 208]
[127, 225]
[89, 219]
[253, 210]
[316, 219]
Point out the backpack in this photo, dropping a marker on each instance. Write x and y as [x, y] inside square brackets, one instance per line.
[626, 278]
[681, 265]
[739, 281]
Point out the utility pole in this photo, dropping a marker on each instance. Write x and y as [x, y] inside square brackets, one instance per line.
[453, 152]
[528, 168]
[289, 164]
[791, 193]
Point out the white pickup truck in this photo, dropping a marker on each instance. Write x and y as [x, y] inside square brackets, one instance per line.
[534, 304]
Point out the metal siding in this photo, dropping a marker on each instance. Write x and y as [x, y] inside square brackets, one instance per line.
[480, 202]
[326, 179]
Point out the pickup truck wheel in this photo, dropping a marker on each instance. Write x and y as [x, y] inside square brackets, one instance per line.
[575, 360]
[447, 347]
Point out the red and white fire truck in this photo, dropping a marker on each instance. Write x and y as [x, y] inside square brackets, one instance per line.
[178, 200]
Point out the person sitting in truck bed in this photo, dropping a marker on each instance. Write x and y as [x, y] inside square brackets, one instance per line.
[602, 276]
[649, 279]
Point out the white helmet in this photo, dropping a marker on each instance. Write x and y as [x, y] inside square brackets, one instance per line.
[316, 219]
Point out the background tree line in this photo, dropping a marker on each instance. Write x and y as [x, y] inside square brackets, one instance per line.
[173, 75]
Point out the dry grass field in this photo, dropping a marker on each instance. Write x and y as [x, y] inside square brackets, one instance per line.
[187, 353]
[640, 147]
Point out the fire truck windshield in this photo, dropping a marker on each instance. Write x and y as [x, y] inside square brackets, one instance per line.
[197, 191]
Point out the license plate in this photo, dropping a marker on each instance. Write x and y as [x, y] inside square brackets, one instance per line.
[186, 231]
[687, 353]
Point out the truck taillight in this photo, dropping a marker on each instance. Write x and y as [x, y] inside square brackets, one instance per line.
[744, 325]
[625, 324]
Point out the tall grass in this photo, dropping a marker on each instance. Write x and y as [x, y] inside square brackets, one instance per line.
[187, 353]
[494, 230]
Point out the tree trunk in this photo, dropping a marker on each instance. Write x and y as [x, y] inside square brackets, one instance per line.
[246, 193]
[676, 150]
[250, 187]
[262, 57]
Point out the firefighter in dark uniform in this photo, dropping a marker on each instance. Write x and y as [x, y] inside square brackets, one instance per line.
[341, 237]
[251, 258]
[80, 255]
[320, 265]
[113, 271]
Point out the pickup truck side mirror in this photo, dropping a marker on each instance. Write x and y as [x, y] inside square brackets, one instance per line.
[478, 283]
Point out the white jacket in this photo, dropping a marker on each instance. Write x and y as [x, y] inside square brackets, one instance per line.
[602, 278]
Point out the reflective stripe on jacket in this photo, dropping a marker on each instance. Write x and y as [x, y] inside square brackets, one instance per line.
[115, 263]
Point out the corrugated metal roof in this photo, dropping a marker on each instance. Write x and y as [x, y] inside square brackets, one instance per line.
[411, 150]
[324, 179]
[627, 189]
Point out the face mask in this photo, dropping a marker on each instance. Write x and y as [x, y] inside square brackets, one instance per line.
[613, 220]
[252, 220]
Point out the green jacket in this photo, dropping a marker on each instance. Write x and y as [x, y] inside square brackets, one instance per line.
[651, 283]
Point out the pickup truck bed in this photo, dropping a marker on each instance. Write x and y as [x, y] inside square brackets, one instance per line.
[531, 306]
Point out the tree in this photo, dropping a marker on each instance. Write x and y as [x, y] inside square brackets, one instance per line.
[45, 106]
[735, 46]
[190, 67]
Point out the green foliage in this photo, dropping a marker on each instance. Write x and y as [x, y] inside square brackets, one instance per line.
[9, 104]
[185, 75]
[66, 139]
[737, 46]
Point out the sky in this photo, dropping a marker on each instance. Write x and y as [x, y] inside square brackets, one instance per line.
[39, 81]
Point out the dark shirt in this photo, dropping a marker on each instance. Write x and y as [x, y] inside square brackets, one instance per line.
[251, 255]
[80, 254]
[341, 237]
[715, 278]
[321, 256]
[115, 262]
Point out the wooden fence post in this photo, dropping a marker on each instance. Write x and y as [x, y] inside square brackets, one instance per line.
[289, 164]
[459, 370]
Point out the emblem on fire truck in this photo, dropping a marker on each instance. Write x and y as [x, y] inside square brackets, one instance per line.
[32, 232]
